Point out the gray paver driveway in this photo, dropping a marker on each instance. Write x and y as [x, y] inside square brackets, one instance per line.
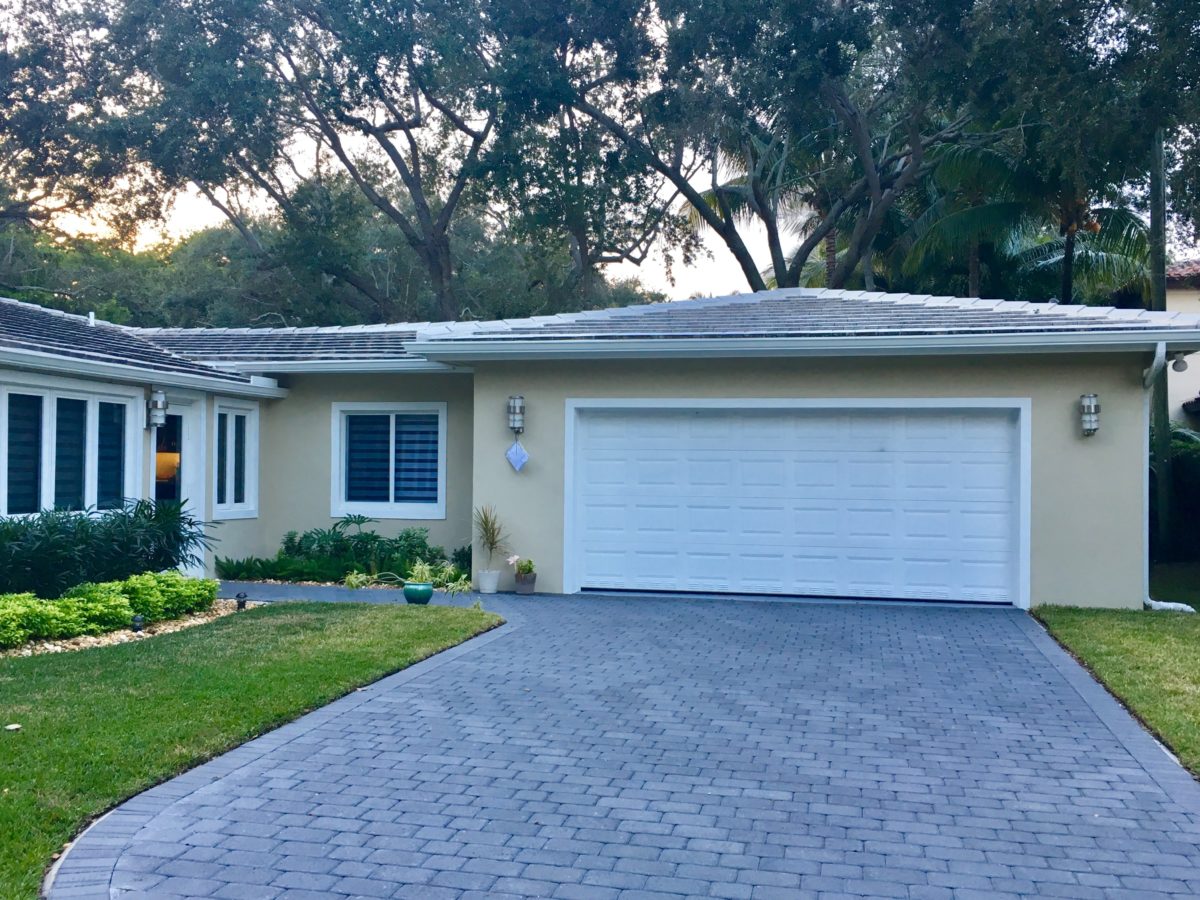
[639, 747]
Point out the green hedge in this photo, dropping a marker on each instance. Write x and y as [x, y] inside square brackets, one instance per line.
[330, 554]
[100, 608]
[52, 552]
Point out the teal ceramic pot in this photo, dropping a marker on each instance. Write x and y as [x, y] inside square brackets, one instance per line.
[416, 592]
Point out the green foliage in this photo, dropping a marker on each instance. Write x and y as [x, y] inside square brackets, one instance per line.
[490, 531]
[99, 608]
[461, 558]
[1185, 506]
[92, 609]
[421, 573]
[331, 554]
[52, 551]
[525, 567]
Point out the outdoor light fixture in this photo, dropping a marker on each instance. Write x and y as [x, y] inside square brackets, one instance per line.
[156, 409]
[1089, 414]
[516, 455]
[138, 621]
[516, 414]
[241, 600]
[1179, 364]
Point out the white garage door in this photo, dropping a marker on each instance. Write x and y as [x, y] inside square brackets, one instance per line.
[910, 504]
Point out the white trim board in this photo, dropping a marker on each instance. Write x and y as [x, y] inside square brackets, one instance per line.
[1022, 407]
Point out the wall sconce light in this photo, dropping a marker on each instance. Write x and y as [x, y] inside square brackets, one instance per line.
[516, 414]
[156, 409]
[1179, 364]
[1089, 414]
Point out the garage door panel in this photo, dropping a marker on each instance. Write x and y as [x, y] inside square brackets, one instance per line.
[848, 503]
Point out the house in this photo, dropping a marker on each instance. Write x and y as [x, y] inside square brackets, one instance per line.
[799, 442]
[1183, 388]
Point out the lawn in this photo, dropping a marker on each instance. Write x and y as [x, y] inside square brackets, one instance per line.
[98, 726]
[1150, 660]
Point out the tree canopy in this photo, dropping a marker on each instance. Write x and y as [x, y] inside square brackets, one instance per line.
[384, 159]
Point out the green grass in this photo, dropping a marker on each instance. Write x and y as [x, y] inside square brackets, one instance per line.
[1150, 660]
[101, 725]
[1176, 583]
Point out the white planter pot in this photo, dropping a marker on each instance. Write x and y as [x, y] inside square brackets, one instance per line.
[489, 581]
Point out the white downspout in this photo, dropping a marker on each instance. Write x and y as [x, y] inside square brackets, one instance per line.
[1148, 379]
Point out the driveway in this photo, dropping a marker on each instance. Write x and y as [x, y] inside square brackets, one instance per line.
[650, 747]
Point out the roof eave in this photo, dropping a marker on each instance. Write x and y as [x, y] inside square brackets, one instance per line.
[332, 366]
[1179, 340]
[263, 388]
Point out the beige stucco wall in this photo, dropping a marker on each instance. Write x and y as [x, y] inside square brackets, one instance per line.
[1184, 386]
[295, 467]
[1088, 493]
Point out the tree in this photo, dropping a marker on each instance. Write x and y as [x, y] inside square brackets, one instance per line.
[225, 93]
[844, 101]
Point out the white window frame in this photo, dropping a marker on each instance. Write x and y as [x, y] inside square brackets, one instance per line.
[339, 506]
[248, 509]
[51, 390]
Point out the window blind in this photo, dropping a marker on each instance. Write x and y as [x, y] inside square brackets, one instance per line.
[110, 456]
[70, 450]
[24, 453]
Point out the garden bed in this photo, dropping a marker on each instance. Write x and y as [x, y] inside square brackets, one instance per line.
[127, 635]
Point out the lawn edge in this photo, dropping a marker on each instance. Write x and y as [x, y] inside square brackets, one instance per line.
[95, 874]
[1146, 730]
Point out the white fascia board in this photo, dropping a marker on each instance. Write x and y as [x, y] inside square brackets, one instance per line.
[1185, 340]
[86, 368]
[332, 366]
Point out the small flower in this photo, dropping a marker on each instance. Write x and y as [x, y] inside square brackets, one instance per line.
[514, 559]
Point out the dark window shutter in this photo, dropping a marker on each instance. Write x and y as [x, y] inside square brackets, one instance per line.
[367, 458]
[110, 457]
[416, 464]
[24, 453]
[239, 459]
[70, 450]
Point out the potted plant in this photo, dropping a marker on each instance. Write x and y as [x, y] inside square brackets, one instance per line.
[525, 574]
[419, 586]
[492, 540]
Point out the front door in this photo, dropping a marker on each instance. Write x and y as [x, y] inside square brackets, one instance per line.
[179, 459]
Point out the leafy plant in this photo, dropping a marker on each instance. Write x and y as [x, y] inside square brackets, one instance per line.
[48, 553]
[522, 566]
[490, 531]
[332, 554]
[99, 608]
[421, 573]
[461, 558]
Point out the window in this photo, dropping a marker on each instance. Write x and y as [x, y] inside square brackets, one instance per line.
[63, 450]
[235, 461]
[389, 460]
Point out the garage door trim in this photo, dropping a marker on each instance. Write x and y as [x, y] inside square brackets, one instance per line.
[1021, 406]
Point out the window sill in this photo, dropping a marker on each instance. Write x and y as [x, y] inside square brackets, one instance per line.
[412, 511]
[223, 514]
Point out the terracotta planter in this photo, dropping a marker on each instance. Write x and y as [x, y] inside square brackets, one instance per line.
[418, 592]
[489, 581]
[525, 583]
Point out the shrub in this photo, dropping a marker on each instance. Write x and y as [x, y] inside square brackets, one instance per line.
[91, 609]
[99, 608]
[330, 554]
[183, 596]
[53, 551]
[145, 596]
[20, 615]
